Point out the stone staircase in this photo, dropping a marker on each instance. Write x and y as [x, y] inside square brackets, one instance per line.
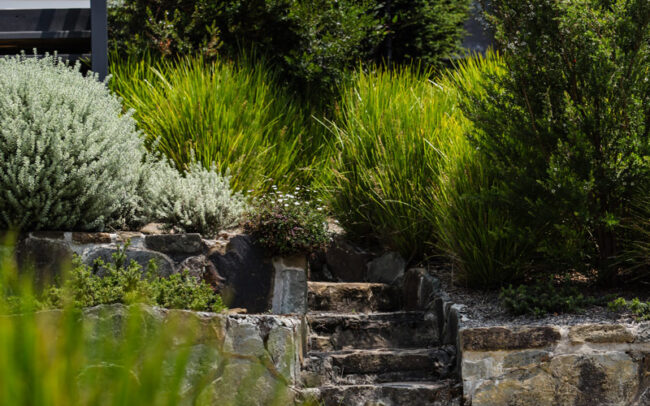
[364, 350]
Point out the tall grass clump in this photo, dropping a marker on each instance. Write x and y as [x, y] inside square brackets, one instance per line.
[474, 231]
[231, 116]
[393, 130]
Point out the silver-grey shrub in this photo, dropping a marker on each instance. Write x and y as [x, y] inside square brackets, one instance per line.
[199, 201]
[68, 156]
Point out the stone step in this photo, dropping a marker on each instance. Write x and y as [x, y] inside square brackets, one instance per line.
[378, 366]
[332, 331]
[441, 393]
[352, 297]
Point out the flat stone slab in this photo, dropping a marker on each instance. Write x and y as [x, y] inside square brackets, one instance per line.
[379, 330]
[443, 393]
[91, 238]
[434, 362]
[174, 244]
[352, 297]
[508, 338]
[600, 333]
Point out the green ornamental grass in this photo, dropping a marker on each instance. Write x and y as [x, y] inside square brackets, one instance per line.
[473, 231]
[394, 131]
[233, 117]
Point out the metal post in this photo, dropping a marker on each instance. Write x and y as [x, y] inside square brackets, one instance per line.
[99, 37]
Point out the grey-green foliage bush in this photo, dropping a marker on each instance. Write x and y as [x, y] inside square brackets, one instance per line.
[199, 200]
[69, 157]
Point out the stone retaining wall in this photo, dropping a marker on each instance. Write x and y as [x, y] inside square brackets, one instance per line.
[584, 364]
[232, 263]
[252, 358]
[537, 365]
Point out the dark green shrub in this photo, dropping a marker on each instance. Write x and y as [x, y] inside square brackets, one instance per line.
[429, 31]
[545, 297]
[310, 42]
[638, 308]
[566, 130]
[288, 223]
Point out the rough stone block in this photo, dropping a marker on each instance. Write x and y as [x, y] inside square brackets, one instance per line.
[518, 359]
[248, 274]
[283, 351]
[600, 333]
[289, 285]
[508, 338]
[386, 269]
[48, 257]
[243, 336]
[141, 256]
[200, 267]
[606, 378]
[347, 262]
[91, 238]
[175, 244]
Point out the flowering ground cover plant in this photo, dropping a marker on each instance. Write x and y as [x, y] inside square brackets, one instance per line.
[288, 223]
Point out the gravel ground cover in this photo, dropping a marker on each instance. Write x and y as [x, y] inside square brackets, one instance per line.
[484, 308]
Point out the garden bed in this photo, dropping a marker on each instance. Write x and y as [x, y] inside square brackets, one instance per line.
[232, 264]
[484, 308]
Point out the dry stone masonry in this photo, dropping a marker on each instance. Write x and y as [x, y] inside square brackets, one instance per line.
[364, 348]
[366, 330]
[584, 364]
[245, 277]
[257, 359]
